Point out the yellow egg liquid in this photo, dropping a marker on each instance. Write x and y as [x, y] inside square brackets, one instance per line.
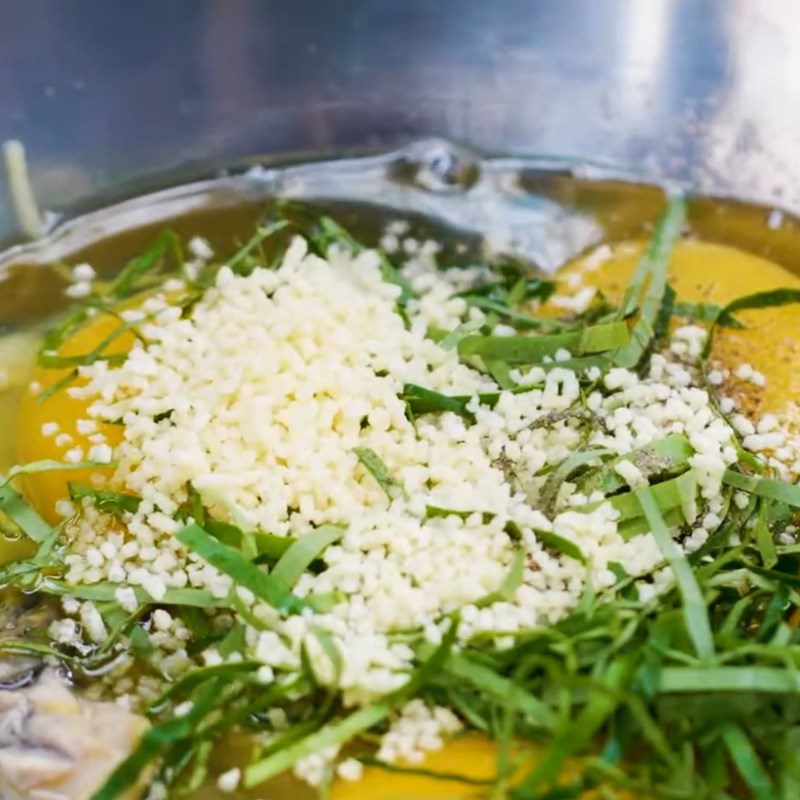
[698, 270]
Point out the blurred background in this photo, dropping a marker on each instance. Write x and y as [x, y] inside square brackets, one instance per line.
[110, 98]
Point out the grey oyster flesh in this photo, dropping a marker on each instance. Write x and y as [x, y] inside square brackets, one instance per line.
[57, 746]
[21, 617]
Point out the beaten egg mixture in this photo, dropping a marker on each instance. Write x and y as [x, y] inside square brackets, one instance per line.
[63, 428]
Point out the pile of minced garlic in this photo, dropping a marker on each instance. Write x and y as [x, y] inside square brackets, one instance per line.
[259, 398]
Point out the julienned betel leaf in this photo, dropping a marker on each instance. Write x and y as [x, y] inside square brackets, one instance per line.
[769, 299]
[273, 587]
[300, 555]
[782, 492]
[646, 291]
[22, 515]
[694, 606]
[706, 312]
[158, 739]
[337, 732]
[232, 563]
[532, 349]
[373, 463]
[104, 499]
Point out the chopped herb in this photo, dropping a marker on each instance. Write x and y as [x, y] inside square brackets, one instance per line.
[104, 591]
[768, 488]
[706, 312]
[769, 680]
[561, 545]
[273, 587]
[450, 339]
[432, 512]
[578, 459]
[768, 299]
[52, 360]
[511, 582]
[694, 606]
[421, 772]
[53, 339]
[157, 739]
[22, 515]
[49, 465]
[239, 261]
[331, 734]
[514, 289]
[763, 535]
[190, 680]
[533, 349]
[56, 387]
[131, 278]
[373, 463]
[748, 763]
[299, 556]
[425, 401]
[104, 499]
[514, 318]
[232, 563]
[646, 291]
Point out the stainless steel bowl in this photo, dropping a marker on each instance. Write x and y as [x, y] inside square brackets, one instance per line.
[112, 98]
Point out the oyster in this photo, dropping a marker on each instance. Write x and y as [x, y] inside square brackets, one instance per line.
[57, 746]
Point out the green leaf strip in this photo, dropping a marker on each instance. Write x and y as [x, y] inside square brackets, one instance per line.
[23, 515]
[694, 606]
[767, 488]
[650, 283]
[521, 349]
[768, 299]
[373, 463]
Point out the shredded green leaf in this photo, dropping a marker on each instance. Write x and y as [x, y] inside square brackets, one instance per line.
[647, 289]
[769, 299]
[49, 465]
[232, 563]
[373, 463]
[533, 349]
[561, 545]
[158, 739]
[768, 488]
[511, 582]
[296, 560]
[104, 499]
[106, 591]
[22, 515]
[694, 606]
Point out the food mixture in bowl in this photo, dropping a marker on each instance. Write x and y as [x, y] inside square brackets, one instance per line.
[314, 518]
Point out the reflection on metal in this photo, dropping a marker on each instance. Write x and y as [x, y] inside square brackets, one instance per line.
[483, 199]
[707, 91]
[20, 192]
[645, 30]
[751, 143]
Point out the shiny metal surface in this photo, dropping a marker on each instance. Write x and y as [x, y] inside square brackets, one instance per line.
[107, 95]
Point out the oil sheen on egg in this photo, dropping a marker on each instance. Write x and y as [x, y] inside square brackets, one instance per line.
[49, 428]
[701, 272]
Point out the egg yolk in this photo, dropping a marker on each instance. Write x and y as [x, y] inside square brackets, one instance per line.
[699, 272]
[472, 756]
[703, 272]
[52, 427]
